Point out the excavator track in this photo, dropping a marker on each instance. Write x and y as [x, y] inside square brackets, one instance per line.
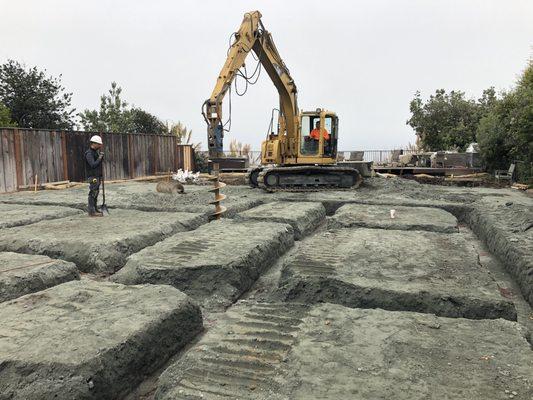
[308, 178]
[251, 176]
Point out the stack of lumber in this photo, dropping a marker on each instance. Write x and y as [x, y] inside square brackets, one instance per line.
[477, 177]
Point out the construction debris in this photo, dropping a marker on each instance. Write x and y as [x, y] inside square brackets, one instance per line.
[519, 186]
[172, 187]
[385, 175]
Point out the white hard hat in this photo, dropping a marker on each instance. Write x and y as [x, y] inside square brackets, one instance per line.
[96, 139]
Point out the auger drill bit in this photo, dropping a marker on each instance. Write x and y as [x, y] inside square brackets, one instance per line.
[219, 210]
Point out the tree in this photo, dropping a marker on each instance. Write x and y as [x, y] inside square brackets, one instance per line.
[181, 132]
[184, 135]
[505, 134]
[115, 115]
[144, 122]
[493, 143]
[34, 99]
[5, 117]
[448, 121]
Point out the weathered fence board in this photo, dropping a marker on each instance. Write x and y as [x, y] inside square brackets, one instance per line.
[7, 151]
[185, 157]
[59, 155]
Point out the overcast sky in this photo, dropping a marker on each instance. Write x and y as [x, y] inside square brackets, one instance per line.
[361, 59]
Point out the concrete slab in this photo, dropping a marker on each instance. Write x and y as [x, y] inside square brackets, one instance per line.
[288, 351]
[89, 340]
[18, 214]
[405, 218]
[214, 264]
[396, 270]
[21, 274]
[98, 245]
[304, 217]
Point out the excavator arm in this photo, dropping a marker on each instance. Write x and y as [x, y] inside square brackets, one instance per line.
[252, 36]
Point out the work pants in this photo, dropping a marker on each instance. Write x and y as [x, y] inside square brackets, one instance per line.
[94, 190]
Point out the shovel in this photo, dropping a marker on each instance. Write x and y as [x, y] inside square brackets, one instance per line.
[103, 207]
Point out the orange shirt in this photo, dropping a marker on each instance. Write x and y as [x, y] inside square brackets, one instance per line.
[315, 134]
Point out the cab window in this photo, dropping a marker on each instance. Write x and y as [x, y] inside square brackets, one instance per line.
[308, 146]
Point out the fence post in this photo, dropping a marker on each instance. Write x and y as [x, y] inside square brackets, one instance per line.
[131, 156]
[64, 155]
[18, 158]
[156, 155]
[175, 152]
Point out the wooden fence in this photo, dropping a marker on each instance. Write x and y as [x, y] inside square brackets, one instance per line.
[59, 156]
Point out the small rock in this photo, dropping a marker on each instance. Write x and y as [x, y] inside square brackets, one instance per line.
[514, 393]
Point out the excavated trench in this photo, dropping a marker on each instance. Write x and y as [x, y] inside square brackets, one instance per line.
[316, 295]
[249, 350]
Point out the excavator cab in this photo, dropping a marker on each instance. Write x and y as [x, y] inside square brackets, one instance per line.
[318, 137]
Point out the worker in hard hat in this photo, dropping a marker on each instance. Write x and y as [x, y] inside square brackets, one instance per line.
[315, 133]
[93, 167]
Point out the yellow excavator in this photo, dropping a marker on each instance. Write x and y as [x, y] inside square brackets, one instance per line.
[301, 155]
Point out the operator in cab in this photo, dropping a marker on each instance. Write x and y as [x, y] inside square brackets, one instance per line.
[315, 133]
[93, 169]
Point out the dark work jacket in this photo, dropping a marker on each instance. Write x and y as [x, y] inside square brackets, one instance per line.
[93, 165]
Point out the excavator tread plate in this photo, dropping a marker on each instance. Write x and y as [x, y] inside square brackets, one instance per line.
[249, 178]
[307, 170]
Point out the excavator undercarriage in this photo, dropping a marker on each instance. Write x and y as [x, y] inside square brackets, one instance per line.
[303, 178]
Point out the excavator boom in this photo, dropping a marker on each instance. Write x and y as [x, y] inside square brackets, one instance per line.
[252, 36]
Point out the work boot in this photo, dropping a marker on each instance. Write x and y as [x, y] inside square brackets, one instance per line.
[96, 214]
